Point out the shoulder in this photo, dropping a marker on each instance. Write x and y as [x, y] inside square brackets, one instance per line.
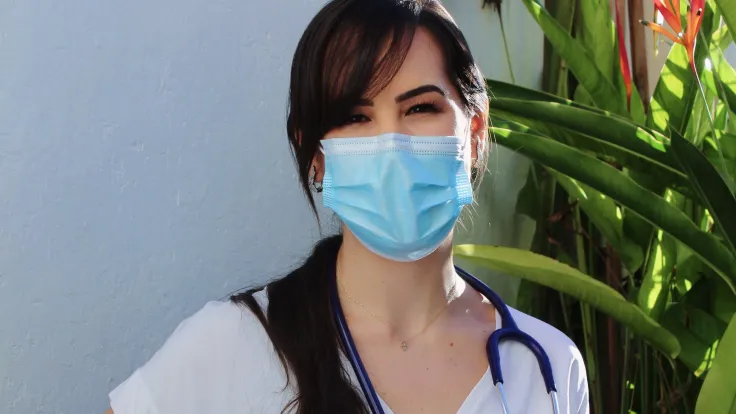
[567, 362]
[555, 342]
[219, 325]
[218, 357]
[220, 332]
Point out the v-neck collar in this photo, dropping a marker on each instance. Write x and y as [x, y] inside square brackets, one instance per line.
[471, 400]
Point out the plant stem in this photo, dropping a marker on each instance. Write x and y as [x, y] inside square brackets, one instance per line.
[506, 48]
[665, 386]
[625, 374]
[588, 320]
[565, 314]
[679, 385]
[644, 377]
[637, 43]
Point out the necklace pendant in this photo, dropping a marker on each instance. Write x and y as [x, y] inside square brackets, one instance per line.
[404, 347]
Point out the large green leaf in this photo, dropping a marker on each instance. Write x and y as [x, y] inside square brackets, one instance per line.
[722, 37]
[637, 110]
[674, 94]
[498, 89]
[690, 269]
[727, 143]
[700, 125]
[596, 34]
[723, 300]
[718, 395]
[555, 75]
[712, 190]
[622, 134]
[697, 332]
[728, 11]
[654, 291]
[615, 129]
[618, 186]
[563, 278]
[676, 91]
[726, 165]
[605, 150]
[721, 117]
[725, 73]
[606, 216]
[578, 60]
[714, 297]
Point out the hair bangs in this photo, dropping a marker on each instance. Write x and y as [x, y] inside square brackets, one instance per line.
[356, 66]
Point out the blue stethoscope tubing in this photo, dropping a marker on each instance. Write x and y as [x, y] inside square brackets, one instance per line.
[509, 332]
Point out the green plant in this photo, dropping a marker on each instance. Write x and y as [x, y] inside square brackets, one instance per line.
[635, 252]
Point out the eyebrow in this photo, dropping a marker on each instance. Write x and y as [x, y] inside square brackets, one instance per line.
[421, 90]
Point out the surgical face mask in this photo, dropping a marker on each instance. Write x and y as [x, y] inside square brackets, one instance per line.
[400, 195]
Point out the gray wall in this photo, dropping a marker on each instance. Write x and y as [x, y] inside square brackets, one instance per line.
[143, 171]
[494, 220]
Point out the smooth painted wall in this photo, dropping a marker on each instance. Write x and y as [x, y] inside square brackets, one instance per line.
[144, 170]
[494, 219]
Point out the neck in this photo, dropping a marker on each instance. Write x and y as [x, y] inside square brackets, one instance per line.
[405, 295]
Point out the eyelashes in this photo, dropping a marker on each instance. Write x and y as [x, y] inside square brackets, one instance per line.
[354, 119]
[427, 107]
[424, 107]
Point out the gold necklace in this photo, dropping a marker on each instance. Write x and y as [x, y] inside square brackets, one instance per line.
[405, 343]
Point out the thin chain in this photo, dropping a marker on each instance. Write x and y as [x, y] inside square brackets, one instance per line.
[404, 343]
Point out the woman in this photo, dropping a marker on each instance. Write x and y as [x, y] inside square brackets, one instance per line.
[388, 116]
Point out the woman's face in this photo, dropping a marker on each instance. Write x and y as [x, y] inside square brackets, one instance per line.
[420, 101]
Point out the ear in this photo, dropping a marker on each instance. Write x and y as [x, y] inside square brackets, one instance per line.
[478, 134]
[318, 166]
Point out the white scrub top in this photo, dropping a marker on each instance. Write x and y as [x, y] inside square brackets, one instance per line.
[221, 361]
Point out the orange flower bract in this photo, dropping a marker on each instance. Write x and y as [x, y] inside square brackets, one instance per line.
[687, 36]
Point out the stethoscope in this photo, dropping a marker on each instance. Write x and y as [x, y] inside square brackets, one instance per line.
[508, 331]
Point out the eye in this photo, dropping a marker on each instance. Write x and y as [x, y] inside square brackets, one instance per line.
[355, 119]
[423, 108]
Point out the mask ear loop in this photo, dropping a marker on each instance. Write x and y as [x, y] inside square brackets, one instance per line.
[316, 185]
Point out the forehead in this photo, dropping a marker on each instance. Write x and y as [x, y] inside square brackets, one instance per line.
[424, 64]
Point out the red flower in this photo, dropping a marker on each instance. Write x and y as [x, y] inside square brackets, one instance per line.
[623, 57]
[670, 10]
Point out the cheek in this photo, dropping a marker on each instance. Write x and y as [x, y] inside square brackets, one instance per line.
[450, 122]
[433, 125]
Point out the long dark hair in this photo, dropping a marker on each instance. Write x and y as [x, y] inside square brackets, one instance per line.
[351, 50]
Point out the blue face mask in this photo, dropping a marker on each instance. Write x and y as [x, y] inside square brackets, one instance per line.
[400, 195]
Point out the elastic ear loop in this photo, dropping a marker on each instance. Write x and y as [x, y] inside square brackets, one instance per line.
[317, 186]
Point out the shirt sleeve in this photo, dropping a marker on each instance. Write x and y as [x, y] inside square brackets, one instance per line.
[132, 396]
[211, 363]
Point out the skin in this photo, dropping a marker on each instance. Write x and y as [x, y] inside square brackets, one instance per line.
[446, 360]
